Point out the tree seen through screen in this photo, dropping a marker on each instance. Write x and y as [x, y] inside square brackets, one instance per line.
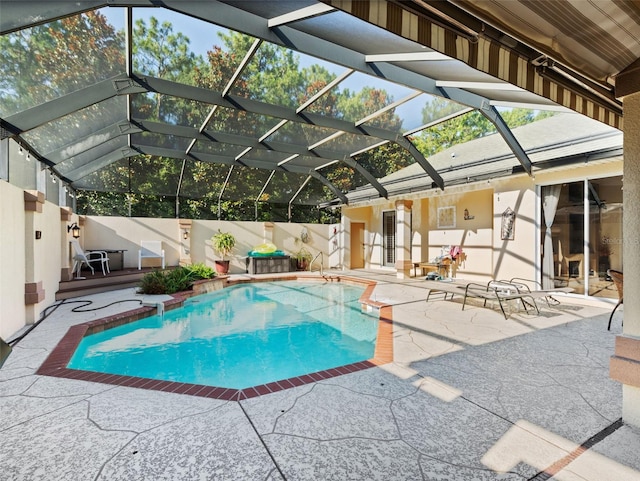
[53, 59]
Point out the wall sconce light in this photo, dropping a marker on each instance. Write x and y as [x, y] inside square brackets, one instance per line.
[185, 234]
[75, 230]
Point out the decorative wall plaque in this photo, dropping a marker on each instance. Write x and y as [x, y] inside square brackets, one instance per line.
[446, 217]
[508, 224]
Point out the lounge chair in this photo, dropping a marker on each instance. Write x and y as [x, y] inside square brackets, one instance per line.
[447, 287]
[524, 286]
[80, 257]
[501, 292]
[617, 278]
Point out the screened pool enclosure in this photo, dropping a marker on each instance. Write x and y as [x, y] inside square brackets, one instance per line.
[263, 110]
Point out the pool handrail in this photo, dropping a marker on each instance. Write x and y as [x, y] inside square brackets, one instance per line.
[321, 255]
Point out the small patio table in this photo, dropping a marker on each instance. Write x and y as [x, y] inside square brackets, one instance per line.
[441, 267]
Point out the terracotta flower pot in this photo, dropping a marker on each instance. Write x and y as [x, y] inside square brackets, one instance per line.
[222, 267]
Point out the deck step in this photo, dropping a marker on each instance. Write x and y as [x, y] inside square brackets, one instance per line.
[70, 293]
[99, 283]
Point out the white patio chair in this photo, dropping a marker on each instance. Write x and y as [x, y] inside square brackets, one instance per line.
[150, 249]
[80, 257]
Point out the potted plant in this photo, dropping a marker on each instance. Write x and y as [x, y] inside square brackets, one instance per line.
[223, 243]
[303, 258]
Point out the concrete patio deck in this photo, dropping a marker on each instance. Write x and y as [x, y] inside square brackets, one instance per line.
[470, 396]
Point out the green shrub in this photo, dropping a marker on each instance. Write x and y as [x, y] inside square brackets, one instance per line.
[178, 280]
[201, 271]
[174, 280]
[153, 283]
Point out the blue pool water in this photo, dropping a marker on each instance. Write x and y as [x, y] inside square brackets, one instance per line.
[239, 337]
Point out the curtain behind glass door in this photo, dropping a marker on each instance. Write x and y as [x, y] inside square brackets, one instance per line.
[389, 235]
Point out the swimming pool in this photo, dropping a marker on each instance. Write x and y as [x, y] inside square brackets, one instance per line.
[241, 336]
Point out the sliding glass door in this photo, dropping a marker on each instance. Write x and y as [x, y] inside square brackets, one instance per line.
[581, 235]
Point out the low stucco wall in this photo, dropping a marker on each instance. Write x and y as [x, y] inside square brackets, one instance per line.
[126, 233]
[102, 232]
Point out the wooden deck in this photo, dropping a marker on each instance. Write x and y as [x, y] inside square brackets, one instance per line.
[94, 283]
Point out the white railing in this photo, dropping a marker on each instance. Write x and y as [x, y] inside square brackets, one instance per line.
[321, 255]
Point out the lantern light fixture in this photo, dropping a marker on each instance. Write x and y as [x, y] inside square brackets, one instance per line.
[74, 229]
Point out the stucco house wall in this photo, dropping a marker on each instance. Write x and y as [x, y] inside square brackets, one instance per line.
[13, 310]
[488, 254]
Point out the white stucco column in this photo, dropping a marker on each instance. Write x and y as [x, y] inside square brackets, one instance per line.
[267, 232]
[184, 237]
[403, 238]
[625, 364]
[66, 218]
